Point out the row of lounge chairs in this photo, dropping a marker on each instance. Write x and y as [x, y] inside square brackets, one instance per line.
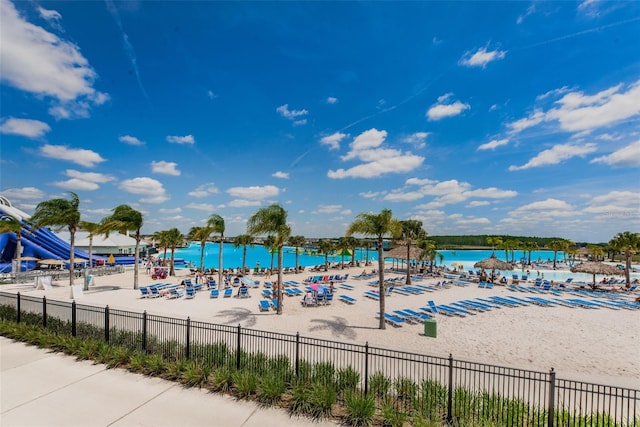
[267, 304]
[326, 278]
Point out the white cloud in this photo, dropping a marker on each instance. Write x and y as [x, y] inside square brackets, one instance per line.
[376, 160]
[440, 110]
[553, 93]
[241, 203]
[187, 139]
[615, 204]
[131, 140]
[99, 178]
[77, 184]
[82, 157]
[254, 192]
[204, 190]
[327, 209]
[556, 154]
[170, 211]
[372, 194]
[290, 114]
[24, 127]
[207, 207]
[24, 193]
[478, 203]
[530, 10]
[534, 119]
[332, 100]
[481, 57]
[493, 144]
[166, 168]
[49, 15]
[300, 122]
[628, 156]
[333, 140]
[152, 189]
[550, 207]
[39, 62]
[281, 175]
[418, 139]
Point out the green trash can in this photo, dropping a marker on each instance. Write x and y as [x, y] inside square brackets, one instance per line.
[430, 328]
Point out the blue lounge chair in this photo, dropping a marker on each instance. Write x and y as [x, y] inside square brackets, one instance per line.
[211, 284]
[243, 293]
[347, 299]
[372, 295]
[228, 292]
[175, 293]
[392, 319]
[191, 292]
[267, 293]
[145, 293]
[433, 306]
[416, 314]
[215, 293]
[264, 305]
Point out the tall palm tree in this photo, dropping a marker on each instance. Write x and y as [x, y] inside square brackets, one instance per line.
[270, 243]
[9, 224]
[216, 222]
[342, 246]
[297, 242]
[411, 231]
[272, 219]
[326, 247]
[124, 219]
[174, 239]
[60, 213]
[555, 246]
[366, 244]
[495, 242]
[629, 244]
[243, 240]
[92, 229]
[162, 239]
[596, 251]
[352, 244]
[378, 225]
[200, 234]
[530, 246]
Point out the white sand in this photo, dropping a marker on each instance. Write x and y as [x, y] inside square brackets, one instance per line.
[592, 345]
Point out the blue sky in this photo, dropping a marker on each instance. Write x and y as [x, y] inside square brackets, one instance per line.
[473, 117]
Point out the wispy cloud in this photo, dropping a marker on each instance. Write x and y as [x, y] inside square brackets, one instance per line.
[557, 154]
[24, 127]
[165, 168]
[333, 140]
[131, 140]
[445, 108]
[290, 114]
[152, 190]
[417, 139]
[128, 47]
[493, 144]
[187, 139]
[281, 175]
[332, 100]
[39, 62]
[530, 11]
[254, 192]
[481, 57]
[375, 160]
[628, 156]
[78, 156]
[204, 190]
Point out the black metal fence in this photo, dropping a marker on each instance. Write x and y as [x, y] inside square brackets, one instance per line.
[463, 391]
[32, 275]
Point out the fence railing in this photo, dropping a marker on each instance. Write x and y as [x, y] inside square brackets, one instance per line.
[456, 389]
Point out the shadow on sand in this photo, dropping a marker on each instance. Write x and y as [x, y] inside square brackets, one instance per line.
[337, 325]
[236, 315]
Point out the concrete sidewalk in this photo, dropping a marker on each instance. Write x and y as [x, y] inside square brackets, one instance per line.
[39, 388]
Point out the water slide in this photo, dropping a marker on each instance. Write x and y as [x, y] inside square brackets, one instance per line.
[41, 243]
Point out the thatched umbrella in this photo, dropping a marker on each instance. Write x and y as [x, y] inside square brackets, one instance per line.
[492, 263]
[596, 267]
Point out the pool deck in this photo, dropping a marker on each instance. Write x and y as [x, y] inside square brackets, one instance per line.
[40, 388]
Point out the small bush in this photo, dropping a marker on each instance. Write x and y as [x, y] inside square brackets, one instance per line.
[245, 383]
[379, 385]
[347, 380]
[195, 375]
[391, 416]
[323, 373]
[221, 380]
[360, 409]
[270, 389]
[300, 399]
[321, 400]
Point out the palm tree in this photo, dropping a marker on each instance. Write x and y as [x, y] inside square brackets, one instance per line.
[352, 244]
[412, 231]
[124, 219]
[342, 246]
[366, 244]
[11, 225]
[174, 239]
[326, 247]
[162, 239]
[243, 240]
[628, 243]
[530, 247]
[60, 213]
[92, 229]
[216, 222]
[270, 243]
[596, 251]
[272, 219]
[495, 242]
[378, 225]
[555, 246]
[297, 242]
[200, 234]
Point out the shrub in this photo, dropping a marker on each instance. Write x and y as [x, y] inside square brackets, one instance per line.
[245, 383]
[347, 380]
[360, 409]
[270, 389]
[195, 374]
[300, 399]
[323, 373]
[321, 400]
[221, 380]
[391, 416]
[379, 385]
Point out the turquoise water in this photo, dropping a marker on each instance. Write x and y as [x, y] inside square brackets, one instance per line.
[259, 256]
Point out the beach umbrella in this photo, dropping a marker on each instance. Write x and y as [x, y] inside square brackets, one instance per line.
[317, 287]
[596, 267]
[29, 258]
[51, 262]
[493, 263]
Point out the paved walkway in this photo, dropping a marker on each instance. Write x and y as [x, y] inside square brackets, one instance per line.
[38, 388]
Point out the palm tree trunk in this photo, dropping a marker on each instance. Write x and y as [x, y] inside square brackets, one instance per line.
[220, 282]
[202, 243]
[91, 252]
[72, 241]
[137, 260]
[172, 270]
[627, 268]
[279, 287]
[408, 281]
[244, 257]
[381, 289]
[19, 250]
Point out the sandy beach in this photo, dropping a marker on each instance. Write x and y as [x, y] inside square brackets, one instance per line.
[593, 345]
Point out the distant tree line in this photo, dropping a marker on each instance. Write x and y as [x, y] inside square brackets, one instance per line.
[482, 240]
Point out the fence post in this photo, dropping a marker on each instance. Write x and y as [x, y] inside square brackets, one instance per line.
[187, 350]
[552, 397]
[18, 308]
[238, 349]
[450, 396]
[144, 331]
[73, 318]
[297, 354]
[44, 311]
[366, 368]
[106, 324]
